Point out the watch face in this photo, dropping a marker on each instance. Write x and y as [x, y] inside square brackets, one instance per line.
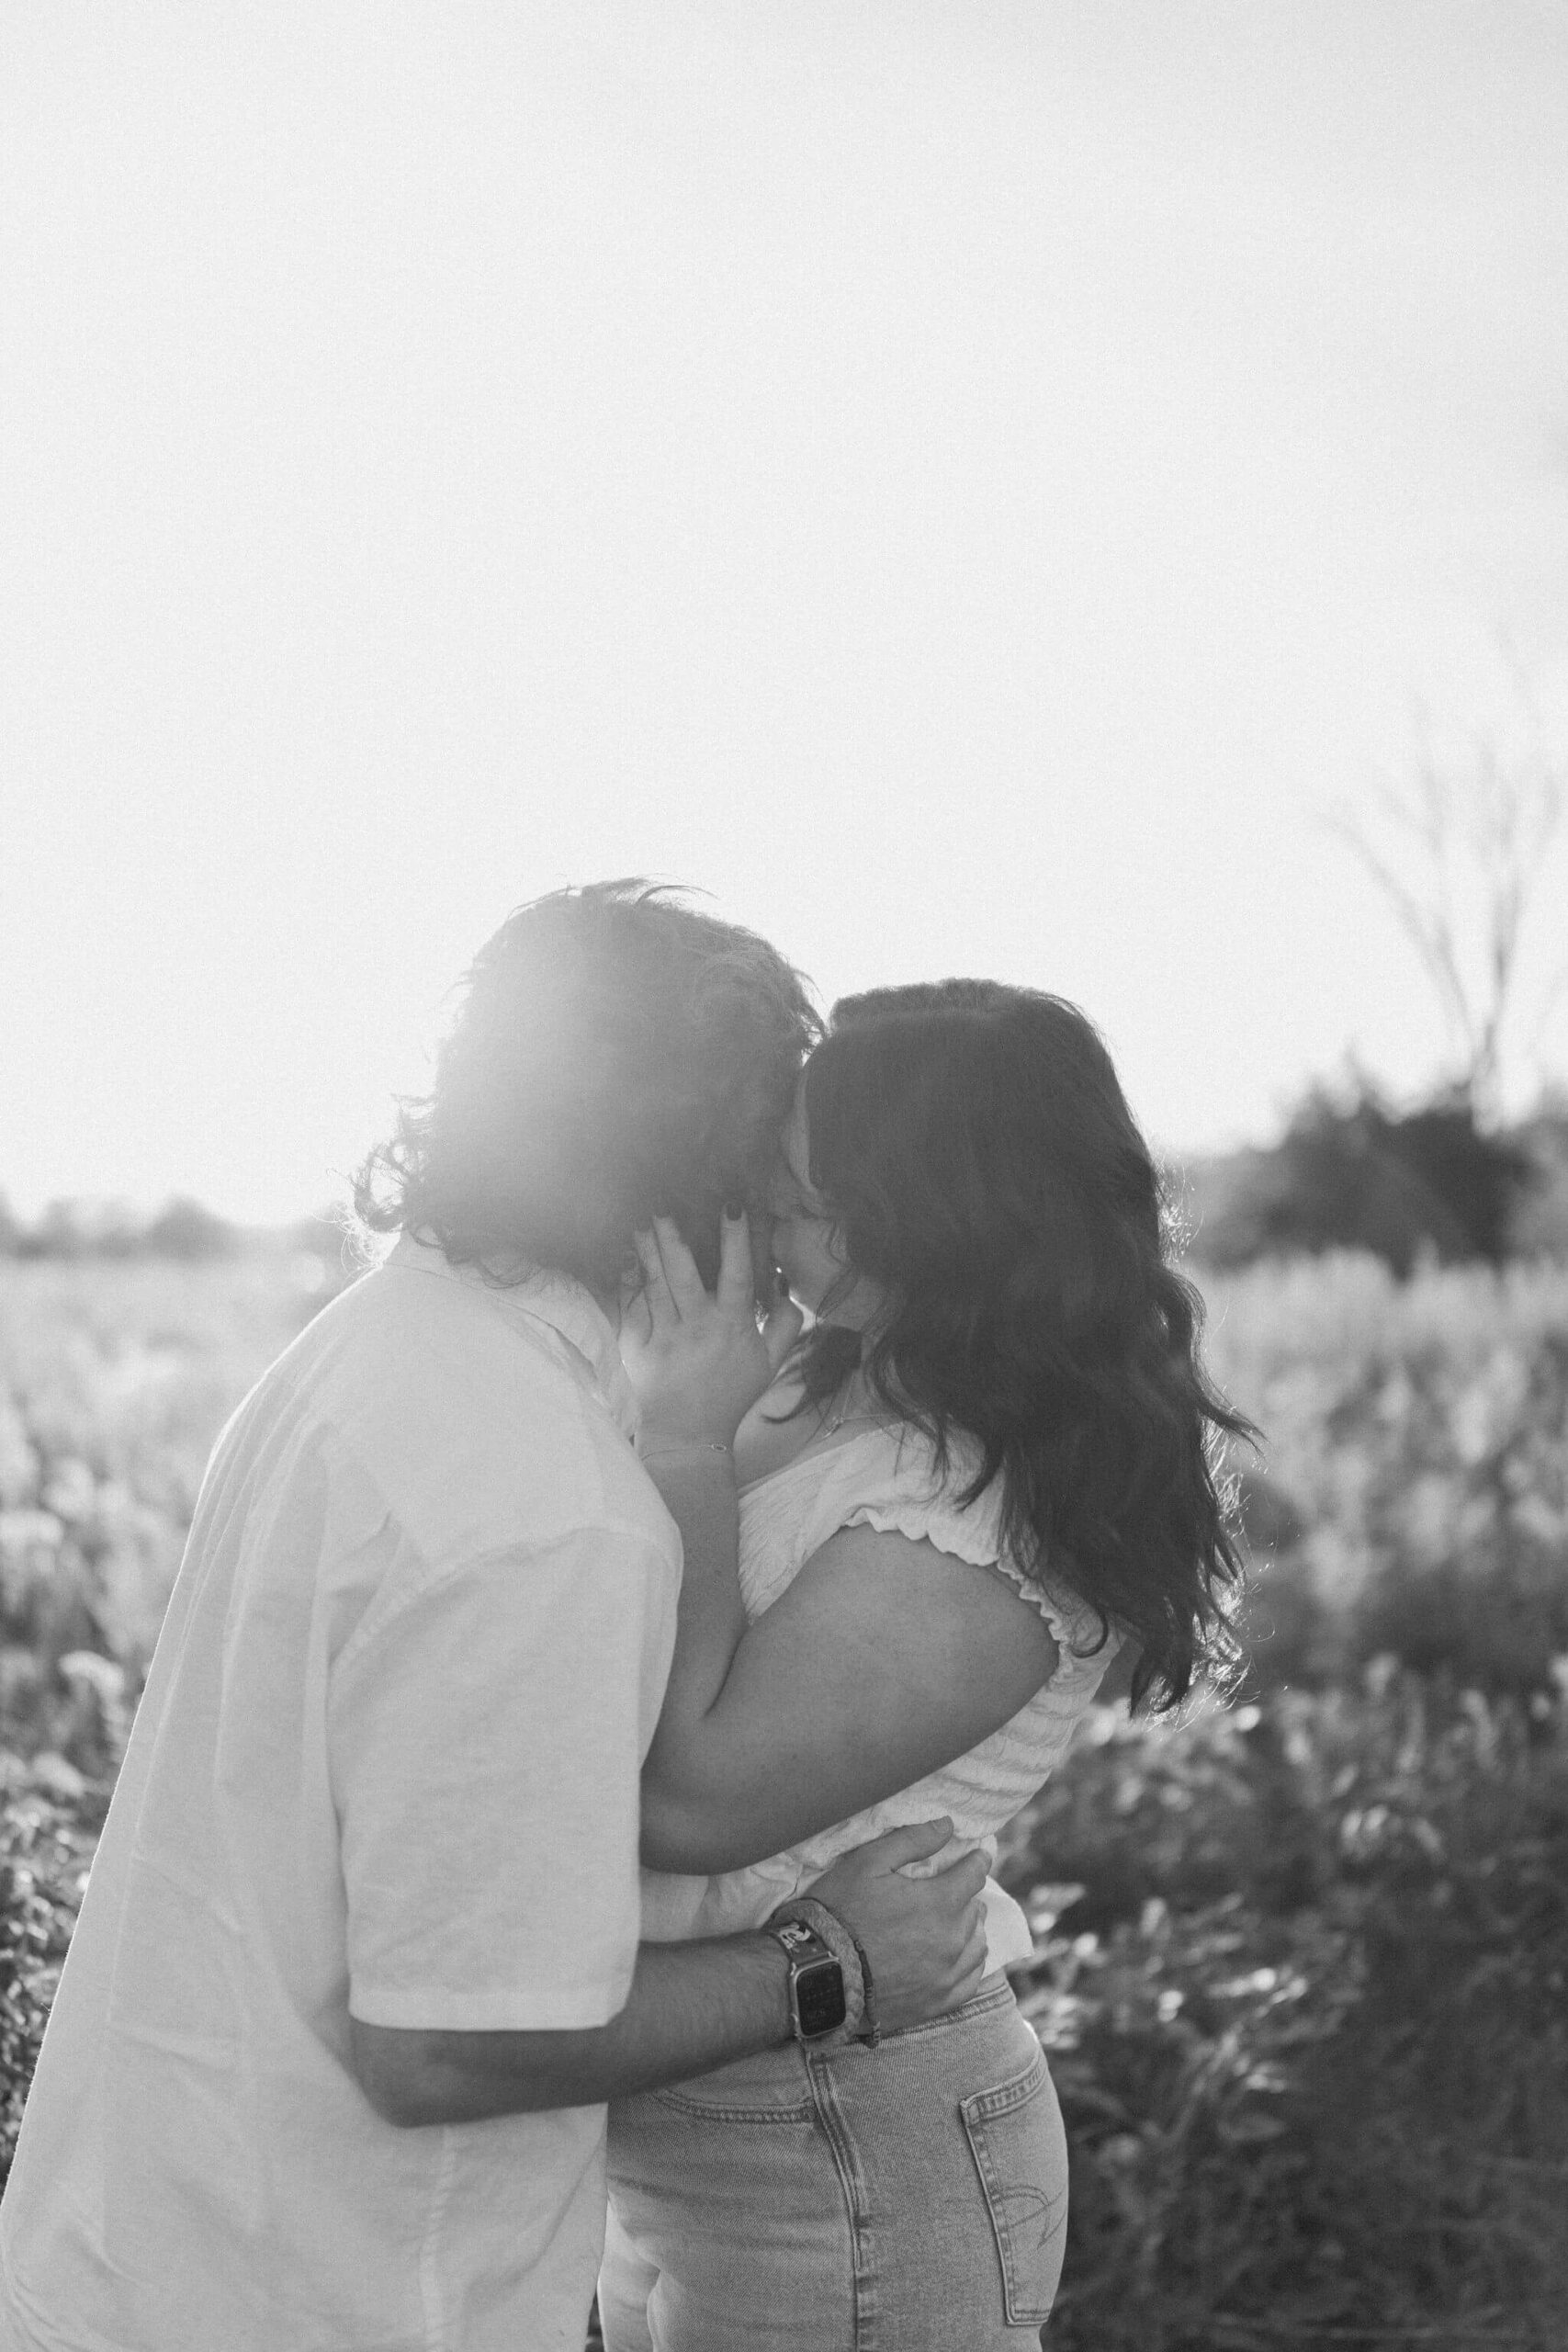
[820, 1997]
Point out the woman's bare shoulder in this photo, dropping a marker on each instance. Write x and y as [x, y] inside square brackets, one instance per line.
[776, 1430]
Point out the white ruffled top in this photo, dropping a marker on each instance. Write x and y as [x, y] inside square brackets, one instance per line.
[887, 1478]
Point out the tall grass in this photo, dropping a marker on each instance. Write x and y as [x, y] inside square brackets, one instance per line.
[115, 1379]
[1304, 1963]
[1415, 1498]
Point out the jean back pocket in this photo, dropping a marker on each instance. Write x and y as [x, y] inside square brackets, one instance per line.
[1020, 2152]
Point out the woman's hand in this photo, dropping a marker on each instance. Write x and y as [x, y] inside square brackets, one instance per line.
[697, 1359]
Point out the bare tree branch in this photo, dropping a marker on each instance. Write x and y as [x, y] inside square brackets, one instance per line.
[1460, 862]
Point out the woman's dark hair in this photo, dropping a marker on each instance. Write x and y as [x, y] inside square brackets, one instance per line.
[974, 1147]
[616, 1054]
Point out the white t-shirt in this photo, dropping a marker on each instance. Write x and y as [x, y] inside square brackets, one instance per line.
[386, 1761]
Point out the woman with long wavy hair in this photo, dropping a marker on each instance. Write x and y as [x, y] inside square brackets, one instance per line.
[984, 1488]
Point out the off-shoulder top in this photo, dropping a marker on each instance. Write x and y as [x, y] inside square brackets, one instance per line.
[886, 1478]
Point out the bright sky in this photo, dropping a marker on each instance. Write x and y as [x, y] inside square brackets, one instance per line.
[966, 485]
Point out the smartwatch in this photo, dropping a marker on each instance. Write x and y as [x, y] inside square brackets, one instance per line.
[816, 2004]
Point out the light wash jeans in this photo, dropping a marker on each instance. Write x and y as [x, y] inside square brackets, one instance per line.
[909, 2198]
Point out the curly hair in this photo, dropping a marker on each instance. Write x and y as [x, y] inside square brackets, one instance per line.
[973, 1146]
[616, 1054]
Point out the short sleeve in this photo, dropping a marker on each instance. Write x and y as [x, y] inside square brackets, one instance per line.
[913, 1499]
[485, 1748]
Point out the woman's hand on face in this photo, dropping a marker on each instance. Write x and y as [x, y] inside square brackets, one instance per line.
[696, 1359]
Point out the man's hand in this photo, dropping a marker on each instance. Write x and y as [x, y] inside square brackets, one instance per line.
[925, 1937]
[696, 1360]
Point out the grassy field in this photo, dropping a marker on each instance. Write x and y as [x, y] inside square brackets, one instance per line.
[1304, 1963]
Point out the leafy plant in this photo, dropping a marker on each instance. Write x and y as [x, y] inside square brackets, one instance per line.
[1304, 1963]
[1314, 2054]
[46, 1844]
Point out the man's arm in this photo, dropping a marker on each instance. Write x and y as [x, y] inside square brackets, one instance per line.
[694, 2006]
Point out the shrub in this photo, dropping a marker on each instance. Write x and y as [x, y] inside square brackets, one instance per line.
[1539, 1227]
[1322, 2090]
[183, 1228]
[1354, 1175]
[48, 1829]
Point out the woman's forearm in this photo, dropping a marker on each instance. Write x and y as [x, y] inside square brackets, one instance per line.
[698, 1488]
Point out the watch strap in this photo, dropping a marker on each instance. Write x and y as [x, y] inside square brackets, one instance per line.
[804, 1911]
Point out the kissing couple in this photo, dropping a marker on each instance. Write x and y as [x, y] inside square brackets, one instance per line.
[553, 1848]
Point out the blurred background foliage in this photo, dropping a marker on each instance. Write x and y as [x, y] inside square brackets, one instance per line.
[1427, 1185]
[1432, 1184]
[1304, 1954]
[1306, 2000]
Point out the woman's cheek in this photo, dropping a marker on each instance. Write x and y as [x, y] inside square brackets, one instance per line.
[793, 1266]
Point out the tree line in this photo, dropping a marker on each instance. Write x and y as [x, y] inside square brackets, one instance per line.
[1351, 1171]
[182, 1229]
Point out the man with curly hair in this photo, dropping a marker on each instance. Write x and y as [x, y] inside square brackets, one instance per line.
[359, 1966]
